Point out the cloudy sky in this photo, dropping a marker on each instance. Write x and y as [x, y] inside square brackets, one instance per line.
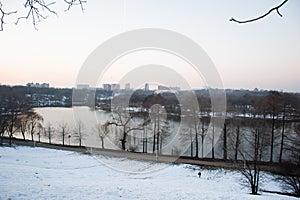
[264, 54]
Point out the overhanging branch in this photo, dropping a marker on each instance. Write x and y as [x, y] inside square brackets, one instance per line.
[75, 3]
[34, 7]
[262, 16]
[2, 15]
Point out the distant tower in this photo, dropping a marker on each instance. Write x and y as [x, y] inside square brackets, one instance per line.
[115, 87]
[107, 87]
[127, 86]
[147, 87]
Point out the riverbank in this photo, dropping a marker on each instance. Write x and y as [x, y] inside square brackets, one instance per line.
[275, 168]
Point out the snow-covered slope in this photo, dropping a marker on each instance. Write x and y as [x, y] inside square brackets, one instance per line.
[37, 173]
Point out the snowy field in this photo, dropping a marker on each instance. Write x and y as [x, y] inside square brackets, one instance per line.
[37, 173]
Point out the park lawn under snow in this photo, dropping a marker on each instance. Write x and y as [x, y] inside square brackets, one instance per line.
[38, 173]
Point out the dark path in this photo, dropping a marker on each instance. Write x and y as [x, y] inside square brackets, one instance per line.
[218, 163]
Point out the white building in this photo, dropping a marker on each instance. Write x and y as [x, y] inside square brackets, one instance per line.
[38, 85]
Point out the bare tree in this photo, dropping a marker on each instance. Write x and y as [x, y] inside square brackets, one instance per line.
[251, 173]
[237, 142]
[282, 133]
[187, 135]
[213, 136]
[235, 138]
[293, 144]
[63, 130]
[225, 137]
[290, 184]
[22, 125]
[3, 123]
[254, 150]
[48, 131]
[147, 122]
[102, 130]
[204, 105]
[164, 134]
[123, 119]
[273, 102]
[287, 109]
[28, 122]
[276, 8]
[79, 131]
[15, 106]
[34, 121]
[160, 127]
[196, 130]
[40, 129]
[203, 134]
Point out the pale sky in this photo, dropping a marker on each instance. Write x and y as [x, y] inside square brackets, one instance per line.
[264, 54]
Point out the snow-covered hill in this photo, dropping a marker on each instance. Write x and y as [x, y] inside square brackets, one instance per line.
[37, 173]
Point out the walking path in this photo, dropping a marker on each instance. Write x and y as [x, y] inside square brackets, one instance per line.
[207, 162]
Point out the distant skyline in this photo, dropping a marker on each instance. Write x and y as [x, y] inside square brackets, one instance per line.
[150, 87]
[263, 54]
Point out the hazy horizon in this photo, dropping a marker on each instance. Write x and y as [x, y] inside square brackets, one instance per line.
[262, 54]
[152, 89]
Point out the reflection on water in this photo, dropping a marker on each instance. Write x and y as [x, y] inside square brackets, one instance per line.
[173, 144]
[55, 117]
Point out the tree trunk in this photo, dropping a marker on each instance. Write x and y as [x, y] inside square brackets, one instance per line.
[191, 150]
[196, 142]
[154, 141]
[146, 142]
[102, 142]
[202, 145]
[282, 135]
[237, 142]
[202, 139]
[23, 135]
[158, 134]
[225, 142]
[143, 140]
[255, 181]
[10, 133]
[253, 189]
[49, 135]
[10, 138]
[213, 139]
[123, 140]
[63, 138]
[160, 144]
[158, 140]
[272, 137]
[154, 136]
[191, 138]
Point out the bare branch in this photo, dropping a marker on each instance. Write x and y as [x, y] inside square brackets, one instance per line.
[34, 7]
[262, 16]
[75, 3]
[2, 15]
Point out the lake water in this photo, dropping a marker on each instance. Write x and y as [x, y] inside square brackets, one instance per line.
[172, 145]
[89, 118]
